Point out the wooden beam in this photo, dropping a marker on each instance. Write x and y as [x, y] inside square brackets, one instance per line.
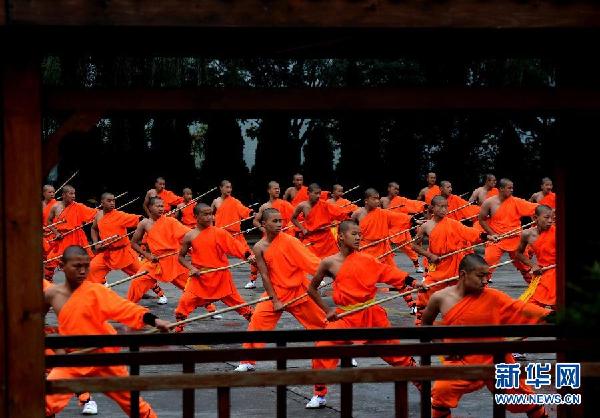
[321, 100]
[22, 365]
[78, 122]
[305, 13]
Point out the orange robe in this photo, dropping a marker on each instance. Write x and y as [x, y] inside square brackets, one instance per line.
[87, 312]
[355, 284]
[169, 198]
[317, 222]
[346, 204]
[119, 255]
[455, 202]
[288, 261]
[544, 248]
[230, 211]
[47, 246]
[164, 237]
[492, 192]
[378, 224]
[286, 210]
[209, 250]
[402, 204]
[491, 307]
[508, 218]
[75, 215]
[549, 200]
[301, 196]
[187, 216]
[432, 192]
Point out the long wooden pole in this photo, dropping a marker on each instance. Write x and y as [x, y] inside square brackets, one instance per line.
[66, 182]
[395, 234]
[191, 202]
[128, 278]
[393, 250]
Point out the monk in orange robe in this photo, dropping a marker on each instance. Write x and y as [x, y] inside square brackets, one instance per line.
[210, 246]
[319, 216]
[186, 212]
[83, 308]
[74, 214]
[500, 214]
[337, 193]
[431, 190]
[460, 208]
[355, 276]
[486, 191]
[164, 235]
[169, 198]
[546, 196]
[396, 203]
[47, 204]
[283, 262]
[445, 236]
[470, 302]
[115, 254]
[541, 239]
[229, 214]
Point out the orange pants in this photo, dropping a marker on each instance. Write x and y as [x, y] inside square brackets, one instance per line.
[188, 302]
[264, 318]
[374, 317]
[493, 254]
[99, 269]
[142, 284]
[58, 401]
[446, 394]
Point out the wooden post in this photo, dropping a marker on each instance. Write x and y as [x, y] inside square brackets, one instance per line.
[21, 304]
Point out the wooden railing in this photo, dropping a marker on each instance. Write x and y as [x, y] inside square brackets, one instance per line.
[551, 340]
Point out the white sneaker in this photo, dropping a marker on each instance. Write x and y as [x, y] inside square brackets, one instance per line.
[245, 367]
[316, 402]
[217, 316]
[354, 363]
[250, 285]
[413, 310]
[90, 408]
[162, 300]
[420, 269]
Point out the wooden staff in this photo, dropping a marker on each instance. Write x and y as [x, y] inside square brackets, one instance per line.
[303, 295]
[126, 279]
[393, 250]
[395, 234]
[350, 189]
[62, 221]
[213, 270]
[237, 222]
[114, 239]
[463, 194]
[459, 208]
[118, 196]
[191, 202]
[211, 314]
[253, 204]
[245, 231]
[380, 301]
[291, 225]
[66, 182]
[500, 237]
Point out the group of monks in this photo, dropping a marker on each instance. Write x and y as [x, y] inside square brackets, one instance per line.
[308, 232]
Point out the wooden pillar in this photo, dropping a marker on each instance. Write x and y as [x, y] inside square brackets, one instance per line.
[21, 304]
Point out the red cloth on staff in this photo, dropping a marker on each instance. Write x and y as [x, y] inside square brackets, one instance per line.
[318, 222]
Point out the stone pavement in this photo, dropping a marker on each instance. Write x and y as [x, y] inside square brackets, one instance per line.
[370, 400]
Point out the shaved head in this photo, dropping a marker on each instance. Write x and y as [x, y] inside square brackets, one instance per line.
[68, 188]
[273, 184]
[159, 179]
[541, 209]
[199, 207]
[47, 187]
[152, 201]
[546, 180]
[444, 183]
[489, 176]
[73, 251]
[503, 183]
[106, 195]
[336, 187]
[370, 192]
[224, 182]
[267, 213]
[438, 200]
[470, 262]
[344, 226]
[187, 190]
[393, 184]
[313, 187]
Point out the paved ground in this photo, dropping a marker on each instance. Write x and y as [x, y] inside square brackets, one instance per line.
[370, 400]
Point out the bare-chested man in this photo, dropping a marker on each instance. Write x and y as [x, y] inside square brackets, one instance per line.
[545, 196]
[168, 197]
[47, 203]
[298, 192]
[487, 190]
[431, 190]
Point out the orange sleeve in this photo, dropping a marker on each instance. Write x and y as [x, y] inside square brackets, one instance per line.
[130, 220]
[398, 220]
[391, 275]
[525, 208]
[302, 257]
[517, 312]
[230, 245]
[469, 234]
[243, 211]
[87, 214]
[178, 229]
[338, 213]
[113, 306]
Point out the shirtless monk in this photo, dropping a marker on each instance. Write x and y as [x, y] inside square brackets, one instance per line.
[470, 302]
[283, 262]
[47, 203]
[337, 193]
[83, 308]
[455, 202]
[229, 213]
[355, 276]
[546, 196]
[168, 197]
[164, 235]
[319, 216]
[283, 206]
[210, 247]
[298, 192]
[445, 235]
[431, 190]
[394, 202]
[486, 191]
[186, 215]
[500, 214]
[542, 240]
[74, 214]
[115, 254]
